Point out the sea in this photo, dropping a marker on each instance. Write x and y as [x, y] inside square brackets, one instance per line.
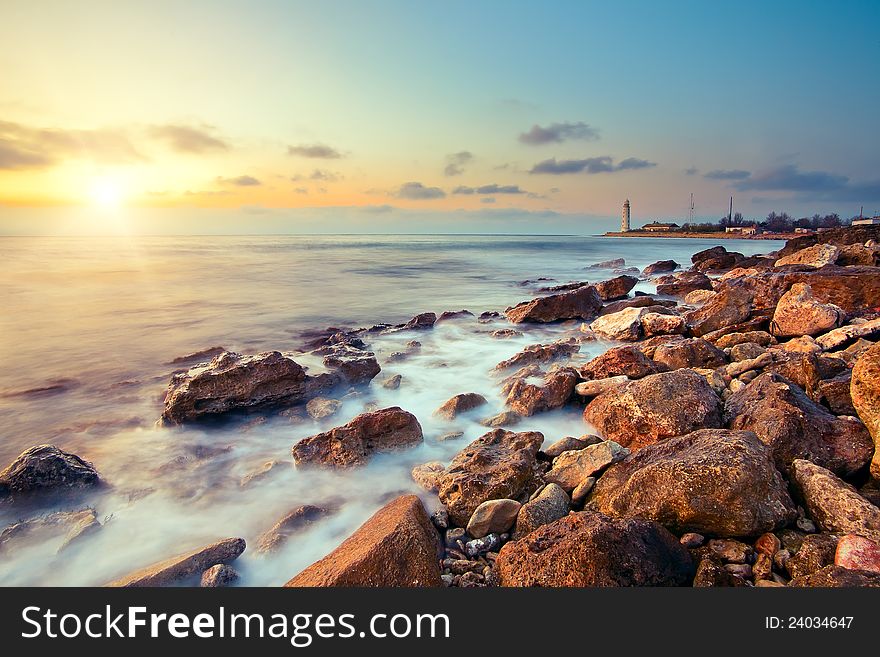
[90, 329]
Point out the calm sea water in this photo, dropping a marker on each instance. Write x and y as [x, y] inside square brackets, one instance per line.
[89, 327]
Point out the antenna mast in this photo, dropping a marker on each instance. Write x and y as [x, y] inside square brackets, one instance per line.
[691, 210]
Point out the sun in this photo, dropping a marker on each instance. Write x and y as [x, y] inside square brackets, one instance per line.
[106, 193]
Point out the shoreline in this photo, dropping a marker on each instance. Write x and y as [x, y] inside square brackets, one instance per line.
[717, 236]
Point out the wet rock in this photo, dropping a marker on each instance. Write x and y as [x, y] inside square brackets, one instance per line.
[683, 283]
[421, 321]
[596, 387]
[557, 388]
[392, 382]
[451, 435]
[614, 263]
[321, 407]
[865, 391]
[625, 325]
[708, 254]
[503, 419]
[461, 403]
[505, 334]
[262, 472]
[493, 517]
[589, 549]
[551, 504]
[691, 352]
[814, 256]
[232, 382]
[858, 553]
[45, 468]
[571, 468]
[616, 288]
[180, 568]
[838, 577]
[727, 308]
[453, 314]
[713, 481]
[218, 575]
[570, 443]
[640, 413]
[67, 526]
[427, 475]
[356, 366]
[497, 465]
[840, 336]
[640, 300]
[660, 267]
[761, 338]
[354, 443]
[371, 557]
[659, 324]
[626, 361]
[540, 353]
[294, 522]
[799, 313]
[834, 504]
[795, 427]
[582, 303]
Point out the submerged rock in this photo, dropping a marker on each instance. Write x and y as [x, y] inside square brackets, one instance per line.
[296, 521]
[497, 465]
[712, 481]
[354, 443]
[180, 568]
[397, 547]
[69, 526]
[589, 549]
[45, 468]
[458, 404]
[582, 303]
[356, 366]
[642, 412]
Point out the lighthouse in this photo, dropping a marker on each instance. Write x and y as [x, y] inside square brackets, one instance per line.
[624, 217]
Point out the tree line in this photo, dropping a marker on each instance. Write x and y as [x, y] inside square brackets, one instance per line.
[775, 223]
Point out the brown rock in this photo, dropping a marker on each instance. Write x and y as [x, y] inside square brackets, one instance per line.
[713, 481]
[68, 526]
[683, 283]
[795, 427]
[727, 308]
[582, 303]
[497, 465]
[865, 391]
[730, 551]
[833, 504]
[616, 288]
[814, 256]
[858, 254]
[640, 413]
[296, 521]
[659, 324]
[540, 353]
[858, 553]
[354, 443]
[840, 336]
[838, 577]
[595, 387]
[571, 468]
[800, 313]
[620, 361]
[549, 505]
[427, 475]
[493, 516]
[590, 549]
[659, 267]
[45, 468]
[732, 339]
[570, 443]
[835, 394]
[625, 325]
[462, 403]
[640, 301]
[321, 407]
[397, 546]
[711, 573]
[179, 568]
[557, 388]
[768, 544]
[218, 575]
[692, 352]
[502, 419]
[355, 365]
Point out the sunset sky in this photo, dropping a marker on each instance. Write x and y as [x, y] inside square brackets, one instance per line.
[353, 115]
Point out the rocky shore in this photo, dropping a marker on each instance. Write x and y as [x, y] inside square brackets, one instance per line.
[729, 437]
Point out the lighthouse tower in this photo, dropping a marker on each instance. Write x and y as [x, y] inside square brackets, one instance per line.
[624, 217]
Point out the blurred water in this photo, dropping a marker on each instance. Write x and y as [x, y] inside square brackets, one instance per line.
[89, 327]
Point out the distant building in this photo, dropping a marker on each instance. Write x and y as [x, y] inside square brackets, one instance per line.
[867, 221]
[625, 217]
[742, 230]
[803, 231]
[657, 227]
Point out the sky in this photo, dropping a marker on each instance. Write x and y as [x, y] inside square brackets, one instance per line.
[402, 116]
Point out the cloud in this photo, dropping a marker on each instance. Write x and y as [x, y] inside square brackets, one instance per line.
[25, 147]
[314, 151]
[455, 163]
[558, 133]
[494, 188]
[488, 199]
[187, 139]
[691, 171]
[239, 181]
[591, 165]
[416, 191]
[301, 190]
[727, 174]
[790, 178]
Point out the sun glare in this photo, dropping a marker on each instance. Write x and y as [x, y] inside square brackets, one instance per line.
[106, 193]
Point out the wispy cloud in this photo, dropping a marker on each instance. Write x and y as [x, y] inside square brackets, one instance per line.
[493, 188]
[455, 163]
[314, 151]
[416, 191]
[188, 139]
[691, 171]
[590, 165]
[559, 132]
[727, 174]
[790, 178]
[239, 181]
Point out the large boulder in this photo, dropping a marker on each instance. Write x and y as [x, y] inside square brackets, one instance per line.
[692, 352]
[589, 549]
[795, 427]
[660, 267]
[557, 388]
[497, 465]
[833, 504]
[836, 236]
[727, 308]
[627, 361]
[551, 504]
[45, 468]
[625, 325]
[662, 324]
[713, 482]
[865, 393]
[813, 256]
[616, 288]
[800, 313]
[354, 443]
[397, 547]
[177, 570]
[654, 408]
[683, 283]
[582, 303]
[708, 254]
[232, 381]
